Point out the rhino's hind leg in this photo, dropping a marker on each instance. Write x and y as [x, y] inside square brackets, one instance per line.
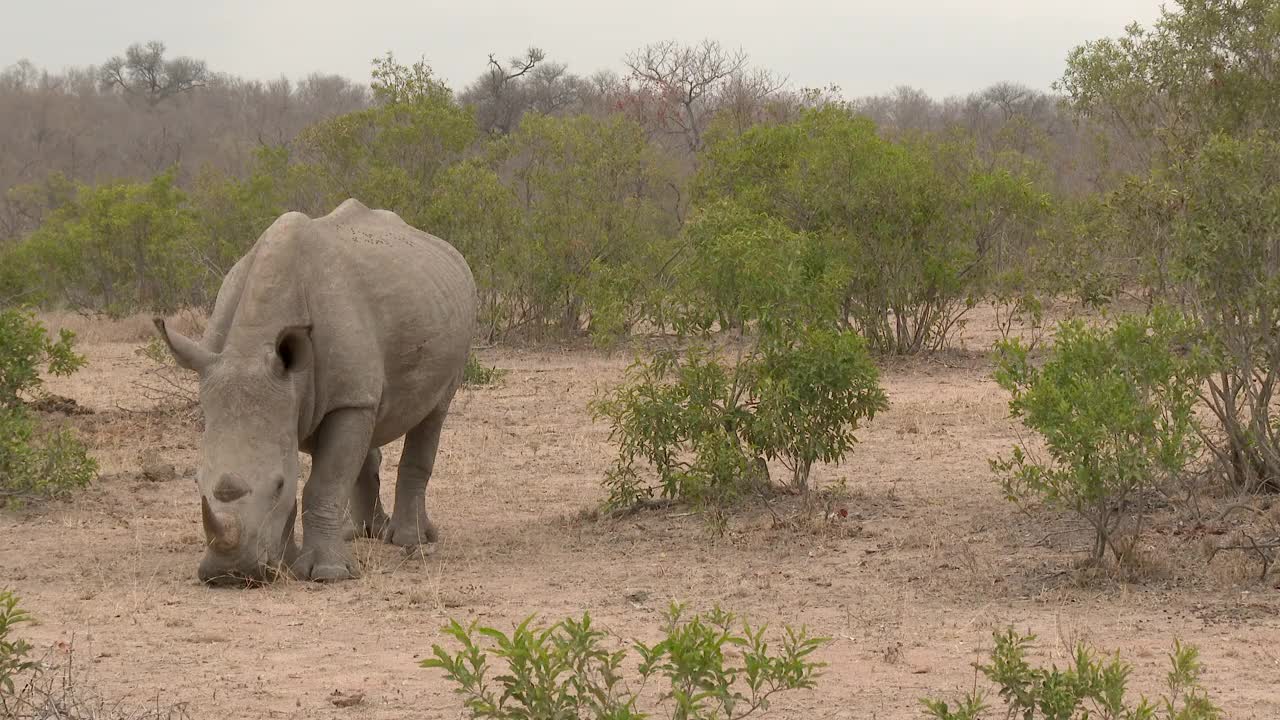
[410, 525]
[366, 518]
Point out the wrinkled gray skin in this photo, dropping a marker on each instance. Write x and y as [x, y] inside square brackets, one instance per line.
[332, 336]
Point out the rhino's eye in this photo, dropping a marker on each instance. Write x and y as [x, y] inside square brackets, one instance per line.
[279, 485]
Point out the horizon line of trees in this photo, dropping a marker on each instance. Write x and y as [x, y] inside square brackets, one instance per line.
[142, 113]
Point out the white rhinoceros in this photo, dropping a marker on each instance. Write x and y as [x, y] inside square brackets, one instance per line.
[332, 336]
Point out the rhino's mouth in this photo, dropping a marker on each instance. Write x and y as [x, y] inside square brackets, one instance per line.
[266, 569]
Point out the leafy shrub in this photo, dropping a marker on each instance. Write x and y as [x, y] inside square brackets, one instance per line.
[706, 427]
[1114, 408]
[13, 652]
[390, 155]
[34, 464]
[1231, 262]
[1090, 687]
[24, 347]
[743, 267]
[912, 226]
[1192, 99]
[472, 209]
[565, 671]
[685, 416]
[810, 397]
[474, 374]
[118, 247]
[592, 192]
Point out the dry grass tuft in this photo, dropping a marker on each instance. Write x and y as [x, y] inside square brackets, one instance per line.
[60, 688]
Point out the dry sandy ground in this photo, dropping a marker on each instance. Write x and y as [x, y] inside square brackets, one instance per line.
[930, 561]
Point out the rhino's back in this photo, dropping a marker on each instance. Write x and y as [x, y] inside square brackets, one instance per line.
[391, 308]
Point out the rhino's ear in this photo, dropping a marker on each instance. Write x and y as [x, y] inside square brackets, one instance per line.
[293, 350]
[186, 351]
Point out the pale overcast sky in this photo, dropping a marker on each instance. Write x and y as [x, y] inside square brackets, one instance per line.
[942, 46]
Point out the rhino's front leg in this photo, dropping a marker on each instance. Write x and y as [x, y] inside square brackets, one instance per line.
[342, 443]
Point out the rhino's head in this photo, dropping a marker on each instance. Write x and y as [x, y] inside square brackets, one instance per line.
[248, 476]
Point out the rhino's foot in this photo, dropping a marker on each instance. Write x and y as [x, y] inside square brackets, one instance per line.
[416, 530]
[324, 565]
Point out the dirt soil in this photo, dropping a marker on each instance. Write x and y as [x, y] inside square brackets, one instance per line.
[930, 560]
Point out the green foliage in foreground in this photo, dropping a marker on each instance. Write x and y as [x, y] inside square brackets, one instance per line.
[1114, 408]
[708, 666]
[33, 463]
[13, 652]
[1090, 688]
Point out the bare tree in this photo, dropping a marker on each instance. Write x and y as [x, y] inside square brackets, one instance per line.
[144, 72]
[686, 77]
[498, 95]
[748, 97]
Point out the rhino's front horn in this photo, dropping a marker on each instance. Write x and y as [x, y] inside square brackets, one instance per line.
[222, 530]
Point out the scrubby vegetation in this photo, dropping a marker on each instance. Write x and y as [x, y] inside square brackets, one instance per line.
[713, 665]
[708, 665]
[476, 374]
[1114, 409]
[1088, 687]
[707, 426]
[35, 462]
[14, 651]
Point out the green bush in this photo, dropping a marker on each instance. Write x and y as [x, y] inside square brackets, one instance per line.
[911, 226]
[1114, 408]
[706, 426]
[593, 221]
[13, 651]
[35, 464]
[810, 396]
[1230, 261]
[474, 374]
[118, 247]
[1191, 99]
[1089, 688]
[565, 671]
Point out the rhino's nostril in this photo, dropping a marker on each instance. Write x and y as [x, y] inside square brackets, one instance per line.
[230, 488]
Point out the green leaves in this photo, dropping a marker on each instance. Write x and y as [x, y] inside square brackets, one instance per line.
[811, 396]
[118, 247]
[34, 464]
[1196, 94]
[901, 231]
[1201, 69]
[1090, 687]
[706, 426]
[1114, 408]
[593, 223]
[12, 651]
[564, 671]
